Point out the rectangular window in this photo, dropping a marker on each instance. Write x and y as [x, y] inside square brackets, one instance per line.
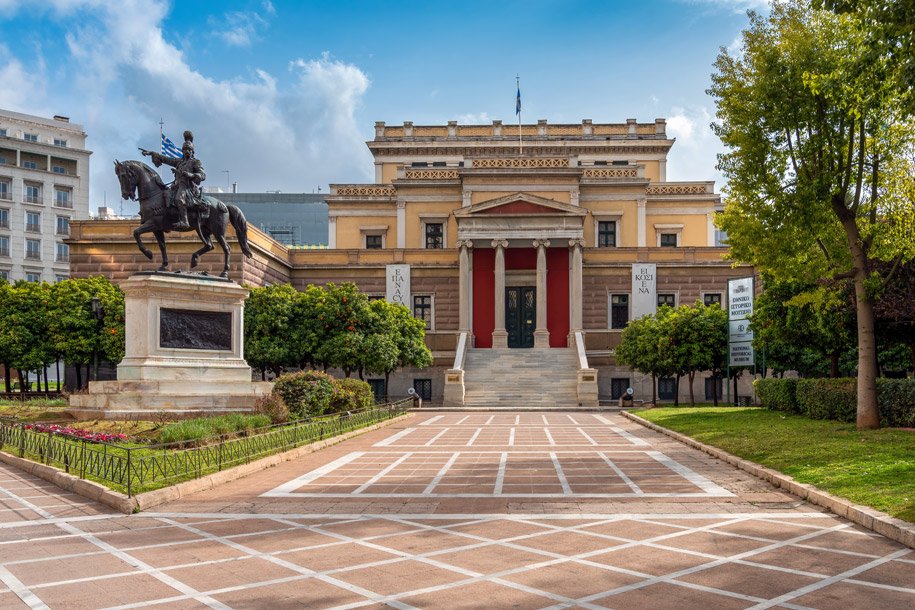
[619, 311]
[667, 299]
[33, 249]
[423, 388]
[434, 235]
[33, 277]
[58, 142]
[4, 218]
[4, 246]
[438, 164]
[30, 137]
[29, 165]
[713, 384]
[600, 163]
[33, 222]
[618, 387]
[720, 238]
[5, 190]
[712, 298]
[63, 253]
[606, 234]
[32, 193]
[668, 240]
[59, 169]
[667, 388]
[373, 242]
[422, 309]
[63, 225]
[419, 164]
[621, 163]
[62, 198]
[60, 278]
[3, 132]
[4, 275]
[378, 392]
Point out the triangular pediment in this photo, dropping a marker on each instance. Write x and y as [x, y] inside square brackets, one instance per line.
[521, 204]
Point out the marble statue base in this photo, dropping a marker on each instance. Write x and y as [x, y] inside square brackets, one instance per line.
[183, 352]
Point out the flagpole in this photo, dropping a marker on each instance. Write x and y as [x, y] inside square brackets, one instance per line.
[520, 143]
[161, 133]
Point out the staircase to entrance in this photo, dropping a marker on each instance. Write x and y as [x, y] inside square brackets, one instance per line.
[519, 378]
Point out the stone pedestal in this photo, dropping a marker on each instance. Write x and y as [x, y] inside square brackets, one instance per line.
[183, 353]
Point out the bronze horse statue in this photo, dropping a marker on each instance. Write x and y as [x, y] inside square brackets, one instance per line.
[142, 183]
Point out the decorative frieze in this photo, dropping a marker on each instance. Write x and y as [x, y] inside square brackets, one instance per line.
[430, 174]
[610, 172]
[677, 189]
[367, 190]
[521, 163]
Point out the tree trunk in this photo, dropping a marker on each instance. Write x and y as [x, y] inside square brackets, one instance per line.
[677, 391]
[6, 379]
[21, 381]
[46, 390]
[691, 376]
[834, 365]
[654, 389]
[387, 377]
[736, 375]
[57, 364]
[715, 389]
[79, 376]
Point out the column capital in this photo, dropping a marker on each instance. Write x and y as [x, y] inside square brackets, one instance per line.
[332, 219]
[401, 204]
[499, 243]
[463, 243]
[577, 242]
[641, 201]
[541, 242]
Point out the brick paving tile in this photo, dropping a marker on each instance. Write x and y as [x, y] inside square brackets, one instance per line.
[11, 601]
[49, 570]
[856, 543]
[45, 549]
[665, 596]
[107, 592]
[713, 543]
[823, 562]
[649, 560]
[491, 559]
[400, 577]
[298, 538]
[142, 537]
[186, 554]
[208, 577]
[290, 595]
[344, 555]
[859, 597]
[568, 543]
[749, 580]
[767, 530]
[499, 529]
[572, 579]
[893, 573]
[424, 542]
[475, 596]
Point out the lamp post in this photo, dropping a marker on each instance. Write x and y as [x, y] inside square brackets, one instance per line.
[98, 312]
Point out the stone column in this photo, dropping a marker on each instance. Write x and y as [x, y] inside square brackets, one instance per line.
[541, 334]
[641, 221]
[332, 232]
[576, 284]
[500, 335]
[401, 224]
[464, 285]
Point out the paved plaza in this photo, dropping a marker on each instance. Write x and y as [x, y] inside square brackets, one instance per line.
[456, 510]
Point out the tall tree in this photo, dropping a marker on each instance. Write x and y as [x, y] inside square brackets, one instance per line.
[809, 128]
[269, 325]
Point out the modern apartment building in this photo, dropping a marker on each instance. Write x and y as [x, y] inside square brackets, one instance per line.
[44, 185]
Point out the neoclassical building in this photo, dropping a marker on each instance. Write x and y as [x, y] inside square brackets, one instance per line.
[526, 256]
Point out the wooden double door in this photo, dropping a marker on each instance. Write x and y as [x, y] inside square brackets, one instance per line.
[520, 315]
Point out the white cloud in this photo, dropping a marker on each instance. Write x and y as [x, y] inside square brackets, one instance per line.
[268, 7]
[481, 118]
[735, 6]
[239, 28]
[697, 146]
[293, 137]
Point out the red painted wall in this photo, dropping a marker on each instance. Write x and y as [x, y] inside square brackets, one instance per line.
[557, 296]
[519, 258]
[484, 296]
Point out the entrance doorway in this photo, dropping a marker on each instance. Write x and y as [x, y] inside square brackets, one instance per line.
[520, 315]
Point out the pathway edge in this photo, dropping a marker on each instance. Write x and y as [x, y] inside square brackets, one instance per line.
[140, 502]
[877, 521]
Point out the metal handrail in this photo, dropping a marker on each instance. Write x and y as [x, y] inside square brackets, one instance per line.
[132, 468]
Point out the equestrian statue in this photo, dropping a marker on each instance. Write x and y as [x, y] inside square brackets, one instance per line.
[179, 206]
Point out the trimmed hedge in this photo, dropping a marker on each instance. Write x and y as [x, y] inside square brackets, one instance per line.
[838, 399]
[350, 395]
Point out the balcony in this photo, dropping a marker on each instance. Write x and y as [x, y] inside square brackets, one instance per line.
[62, 257]
[63, 203]
[63, 230]
[32, 199]
[31, 255]
[5, 195]
[4, 223]
[4, 251]
[33, 227]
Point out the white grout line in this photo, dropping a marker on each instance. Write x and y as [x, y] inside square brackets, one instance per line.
[572, 419]
[585, 434]
[500, 477]
[462, 420]
[489, 421]
[441, 473]
[562, 476]
[21, 591]
[517, 420]
[545, 422]
[474, 437]
[635, 488]
[696, 479]
[511, 437]
[368, 483]
[431, 420]
[549, 437]
[436, 437]
[308, 477]
[394, 437]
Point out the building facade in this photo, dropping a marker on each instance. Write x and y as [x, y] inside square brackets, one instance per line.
[526, 256]
[293, 219]
[44, 186]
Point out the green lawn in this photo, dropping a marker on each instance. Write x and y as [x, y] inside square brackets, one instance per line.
[874, 467]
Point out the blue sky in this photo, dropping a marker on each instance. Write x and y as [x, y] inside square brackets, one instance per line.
[283, 95]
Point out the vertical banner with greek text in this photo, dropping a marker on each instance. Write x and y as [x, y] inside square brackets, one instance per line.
[398, 284]
[644, 289]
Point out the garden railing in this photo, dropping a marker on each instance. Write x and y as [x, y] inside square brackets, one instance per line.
[134, 468]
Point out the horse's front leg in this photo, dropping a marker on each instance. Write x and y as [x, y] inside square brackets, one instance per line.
[160, 239]
[221, 238]
[146, 227]
[207, 246]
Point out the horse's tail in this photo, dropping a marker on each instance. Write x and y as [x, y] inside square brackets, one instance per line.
[241, 228]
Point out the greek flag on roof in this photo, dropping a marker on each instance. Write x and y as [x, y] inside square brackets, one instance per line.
[518, 102]
[169, 149]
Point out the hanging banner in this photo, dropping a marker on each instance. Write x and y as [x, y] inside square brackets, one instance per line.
[644, 289]
[398, 285]
[740, 307]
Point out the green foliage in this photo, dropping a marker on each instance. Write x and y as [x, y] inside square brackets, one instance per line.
[204, 427]
[273, 407]
[897, 402]
[350, 395]
[828, 398]
[305, 393]
[777, 394]
[269, 326]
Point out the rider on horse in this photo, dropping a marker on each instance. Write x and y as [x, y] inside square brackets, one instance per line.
[188, 175]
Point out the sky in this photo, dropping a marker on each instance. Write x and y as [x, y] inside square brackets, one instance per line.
[284, 95]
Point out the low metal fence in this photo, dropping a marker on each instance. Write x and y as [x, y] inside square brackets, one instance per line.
[134, 468]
